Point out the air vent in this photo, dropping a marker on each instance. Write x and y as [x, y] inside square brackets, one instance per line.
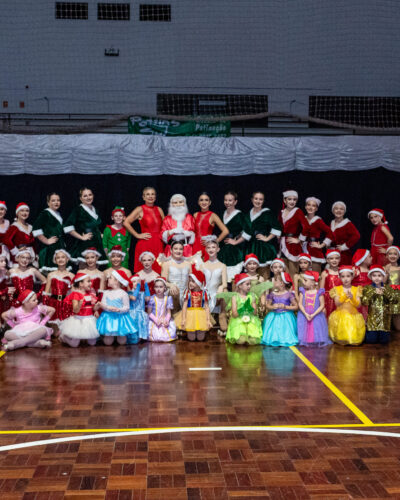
[113, 11]
[71, 10]
[154, 12]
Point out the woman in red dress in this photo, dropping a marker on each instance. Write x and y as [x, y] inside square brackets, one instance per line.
[19, 234]
[204, 224]
[345, 233]
[381, 237]
[150, 218]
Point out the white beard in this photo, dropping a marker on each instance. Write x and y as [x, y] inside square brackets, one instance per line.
[178, 213]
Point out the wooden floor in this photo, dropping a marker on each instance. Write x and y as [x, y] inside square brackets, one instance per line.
[153, 386]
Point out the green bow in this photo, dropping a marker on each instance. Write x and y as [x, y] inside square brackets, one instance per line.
[246, 308]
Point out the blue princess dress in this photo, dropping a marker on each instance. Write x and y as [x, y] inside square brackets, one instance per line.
[117, 323]
[279, 326]
[137, 311]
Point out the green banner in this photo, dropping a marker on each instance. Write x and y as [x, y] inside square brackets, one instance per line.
[154, 126]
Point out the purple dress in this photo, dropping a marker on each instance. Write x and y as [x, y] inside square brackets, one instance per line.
[314, 332]
[160, 308]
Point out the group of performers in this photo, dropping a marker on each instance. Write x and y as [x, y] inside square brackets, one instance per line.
[184, 275]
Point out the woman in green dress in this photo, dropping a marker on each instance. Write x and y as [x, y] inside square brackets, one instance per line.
[48, 229]
[83, 224]
[263, 227]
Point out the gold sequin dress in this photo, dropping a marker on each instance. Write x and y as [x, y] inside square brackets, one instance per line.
[379, 307]
[394, 279]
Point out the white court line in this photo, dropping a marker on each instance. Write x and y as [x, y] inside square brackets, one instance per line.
[205, 369]
[176, 430]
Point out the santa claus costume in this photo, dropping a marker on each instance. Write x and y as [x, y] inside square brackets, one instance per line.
[178, 225]
[344, 232]
[19, 234]
[381, 236]
[294, 226]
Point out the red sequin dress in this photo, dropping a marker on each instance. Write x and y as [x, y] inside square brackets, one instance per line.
[203, 229]
[59, 290]
[379, 241]
[362, 280]
[21, 281]
[150, 223]
[4, 298]
[331, 281]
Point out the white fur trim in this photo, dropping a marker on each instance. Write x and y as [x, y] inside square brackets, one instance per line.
[246, 236]
[118, 277]
[29, 295]
[22, 229]
[21, 208]
[88, 250]
[393, 247]
[318, 260]
[346, 271]
[37, 232]
[118, 252]
[62, 251]
[55, 214]
[313, 198]
[376, 270]
[279, 261]
[227, 218]
[194, 278]
[340, 203]
[68, 229]
[90, 211]
[286, 253]
[276, 232]
[342, 223]
[288, 215]
[360, 261]
[288, 193]
[243, 280]
[254, 216]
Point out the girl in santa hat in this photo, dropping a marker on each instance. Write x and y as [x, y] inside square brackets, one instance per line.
[115, 322]
[392, 270]
[361, 261]
[116, 256]
[251, 266]
[330, 278]
[4, 225]
[312, 328]
[5, 290]
[19, 234]
[278, 266]
[304, 266]
[91, 257]
[23, 276]
[116, 234]
[48, 229]
[378, 297]
[28, 323]
[315, 229]
[161, 325]
[138, 298]
[244, 325]
[381, 237]
[279, 326]
[294, 226]
[344, 231]
[147, 273]
[346, 325]
[82, 324]
[195, 317]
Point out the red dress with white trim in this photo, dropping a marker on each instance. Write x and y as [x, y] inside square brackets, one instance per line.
[172, 229]
[294, 225]
[315, 229]
[203, 230]
[17, 236]
[346, 236]
[379, 241]
[331, 281]
[151, 222]
[3, 247]
[59, 290]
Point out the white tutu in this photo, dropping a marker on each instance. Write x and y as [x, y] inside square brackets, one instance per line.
[28, 327]
[79, 327]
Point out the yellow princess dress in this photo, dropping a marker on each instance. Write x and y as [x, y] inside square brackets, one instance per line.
[346, 325]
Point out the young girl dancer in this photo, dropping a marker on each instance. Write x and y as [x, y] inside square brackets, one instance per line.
[19, 234]
[195, 318]
[137, 306]
[115, 322]
[312, 328]
[294, 226]
[381, 237]
[147, 274]
[116, 234]
[393, 271]
[27, 323]
[344, 231]
[278, 267]
[48, 229]
[5, 290]
[346, 325]
[116, 256]
[161, 325]
[58, 285]
[176, 271]
[91, 256]
[23, 275]
[4, 225]
[361, 261]
[82, 324]
[315, 229]
[304, 266]
[378, 297]
[279, 326]
[251, 267]
[244, 325]
[330, 279]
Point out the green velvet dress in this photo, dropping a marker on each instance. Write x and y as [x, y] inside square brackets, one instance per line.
[49, 223]
[266, 223]
[233, 255]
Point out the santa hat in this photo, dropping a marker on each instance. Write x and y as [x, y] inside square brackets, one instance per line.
[160, 278]
[25, 296]
[314, 199]
[121, 276]
[26, 250]
[251, 257]
[288, 193]
[331, 252]
[20, 206]
[241, 278]
[80, 277]
[311, 275]
[91, 250]
[146, 252]
[118, 209]
[277, 260]
[118, 250]
[286, 278]
[344, 269]
[339, 203]
[380, 212]
[359, 256]
[3, 204]
[198, 277]
[376, 269]
[305, 256]
[61, 250]
[393, 247]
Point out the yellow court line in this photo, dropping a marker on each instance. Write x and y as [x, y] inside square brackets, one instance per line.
[339, 394]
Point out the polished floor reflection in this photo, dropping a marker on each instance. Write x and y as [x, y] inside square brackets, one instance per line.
[152, 385]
